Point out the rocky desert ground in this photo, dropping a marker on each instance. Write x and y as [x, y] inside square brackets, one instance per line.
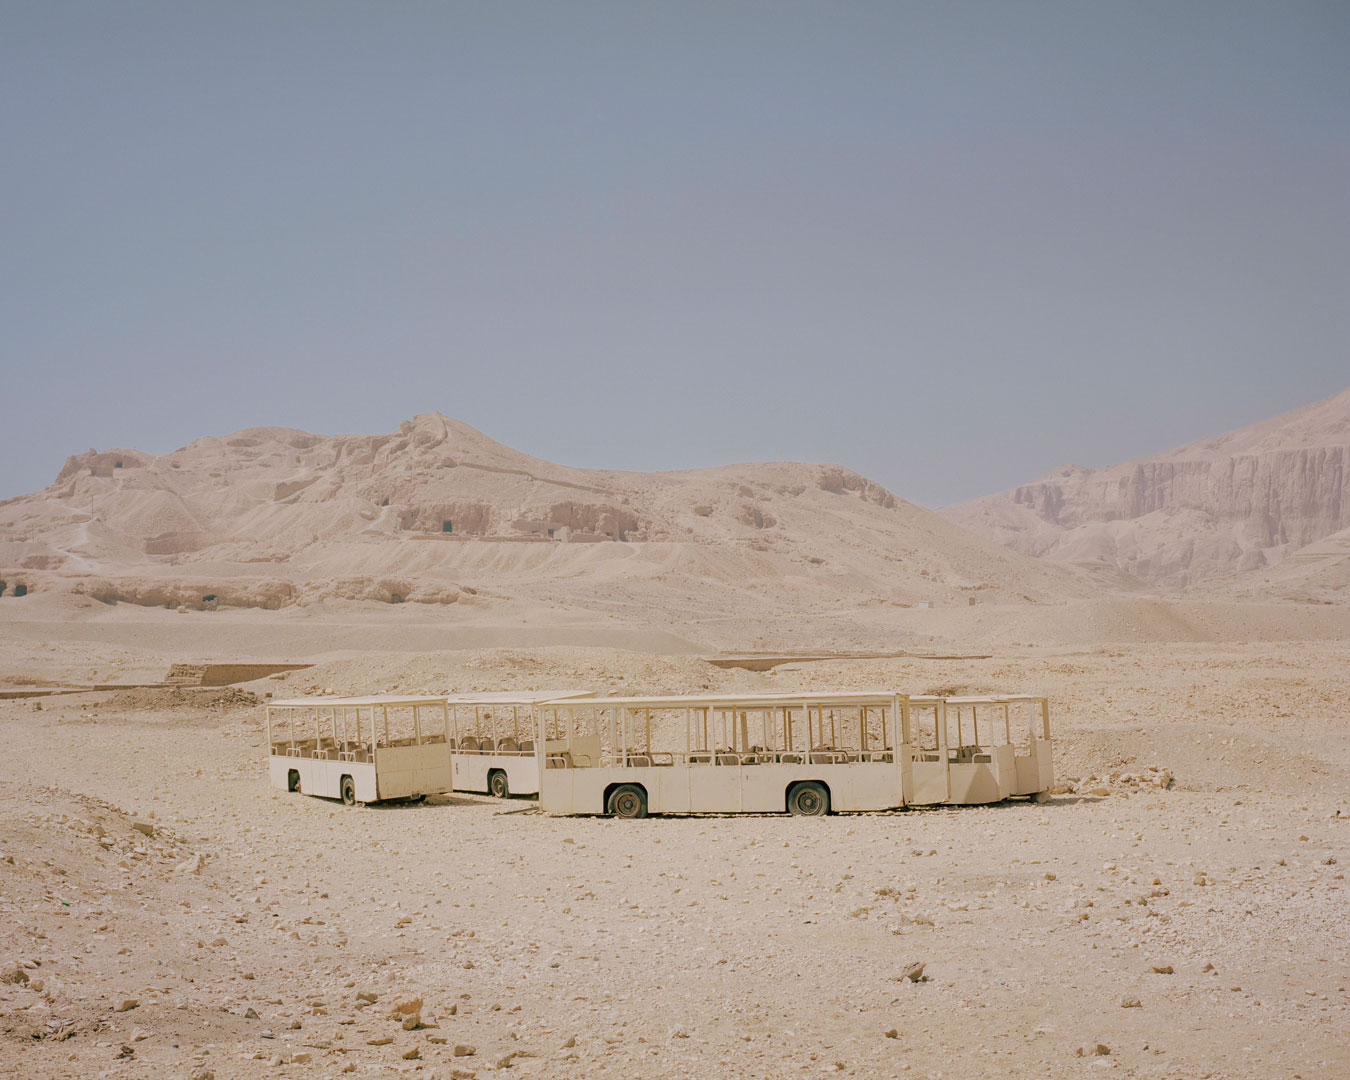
[1178, 909]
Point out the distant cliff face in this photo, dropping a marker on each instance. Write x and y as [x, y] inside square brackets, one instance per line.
[1238, 502]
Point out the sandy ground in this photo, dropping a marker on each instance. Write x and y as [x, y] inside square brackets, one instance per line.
[248, 925]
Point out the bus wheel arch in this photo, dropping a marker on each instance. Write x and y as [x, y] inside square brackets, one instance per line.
[808, 798]
[626, 801]
[347, 786]
[498, 785]
[293, 780]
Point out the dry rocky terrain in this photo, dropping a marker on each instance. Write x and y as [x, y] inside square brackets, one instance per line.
[1177, 910]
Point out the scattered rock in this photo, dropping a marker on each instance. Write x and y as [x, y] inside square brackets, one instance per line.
[301, 1057]
[1162, 969]
[382, 1040]
[250, 1013]
[893, 1033]
[461, 1050]
[143, 827]
[411, 1055]
[914, 973]
[1131, 1003]
[126, 1005]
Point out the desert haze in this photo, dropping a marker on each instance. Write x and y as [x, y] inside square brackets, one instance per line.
[1177, 909]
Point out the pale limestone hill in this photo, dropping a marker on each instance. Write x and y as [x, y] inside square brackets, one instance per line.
[1238, 502]
[439, 513]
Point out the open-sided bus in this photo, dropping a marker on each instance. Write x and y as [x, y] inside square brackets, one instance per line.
[360, 749]
[492, 740]
[803, 753]
[979, 749]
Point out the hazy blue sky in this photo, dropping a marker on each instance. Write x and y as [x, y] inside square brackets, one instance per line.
[950, 245]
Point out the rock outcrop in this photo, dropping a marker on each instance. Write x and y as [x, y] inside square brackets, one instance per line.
[437, 513]
[1238, 502]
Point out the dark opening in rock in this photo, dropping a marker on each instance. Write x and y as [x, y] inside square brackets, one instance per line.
[20, 590]
[447, 526]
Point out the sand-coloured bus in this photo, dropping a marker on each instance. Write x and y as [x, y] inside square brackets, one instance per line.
[805, 753]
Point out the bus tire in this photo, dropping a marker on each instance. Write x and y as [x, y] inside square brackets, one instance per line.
[293, 780]
[808, 799]
[498, 787]
[348, 789]
[627, 801]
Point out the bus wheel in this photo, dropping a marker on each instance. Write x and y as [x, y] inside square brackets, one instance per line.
[348, 791]
[627, 801]
[497, 785]
[293, 780]
[808, 800]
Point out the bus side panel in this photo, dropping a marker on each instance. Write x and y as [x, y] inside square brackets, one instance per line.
[555, 791]
[401, 771]
[667, 787]
[322, 777]
[363, 775]
[1005, 768]
[522, 774]
[863, 785]
[974, 782]
[928, 784]
[470, 772]
[1046, 764]
[279, 768]
[715, 789]
[575, 791]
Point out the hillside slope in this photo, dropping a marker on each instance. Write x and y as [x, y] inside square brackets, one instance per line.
[437, 512]
[1237, 502]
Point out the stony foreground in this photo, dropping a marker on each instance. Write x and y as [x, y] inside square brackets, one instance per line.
[166, 914]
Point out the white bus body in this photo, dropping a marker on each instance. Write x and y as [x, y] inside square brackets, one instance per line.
[492, 740]
[967, 750]
[360, 749]
[801, 753]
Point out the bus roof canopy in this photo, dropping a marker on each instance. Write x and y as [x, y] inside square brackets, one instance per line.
[517, 697]
[748, 701]
[377, 700]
